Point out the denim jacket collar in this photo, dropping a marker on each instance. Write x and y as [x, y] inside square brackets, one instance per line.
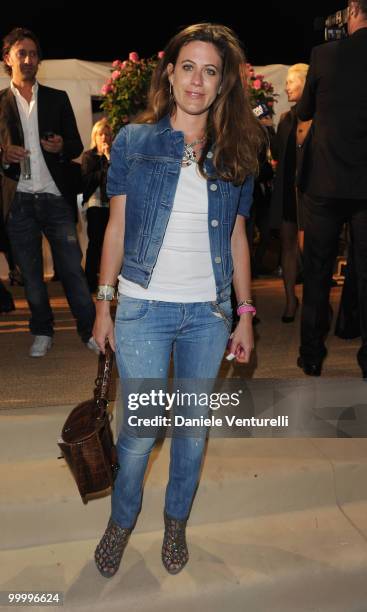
[164, 124]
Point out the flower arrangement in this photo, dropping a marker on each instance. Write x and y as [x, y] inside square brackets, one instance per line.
[261, 91]
[125, 92]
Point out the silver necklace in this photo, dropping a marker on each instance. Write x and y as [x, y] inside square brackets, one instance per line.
[189, 155]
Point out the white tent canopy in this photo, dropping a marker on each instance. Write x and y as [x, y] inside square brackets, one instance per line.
[82, 80]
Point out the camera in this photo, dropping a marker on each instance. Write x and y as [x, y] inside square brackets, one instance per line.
[336, 25]
[48, 135]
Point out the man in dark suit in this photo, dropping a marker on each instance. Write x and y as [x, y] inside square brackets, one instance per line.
[334, 179]
[38, 123]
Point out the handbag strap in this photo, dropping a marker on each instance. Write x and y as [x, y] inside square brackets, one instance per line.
[105, 364]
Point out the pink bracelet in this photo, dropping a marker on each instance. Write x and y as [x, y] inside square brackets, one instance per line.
[243, 309]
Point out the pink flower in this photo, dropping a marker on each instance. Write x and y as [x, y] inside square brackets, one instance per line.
[116, 64]
[133, 57]
[256, 84]
[115, 75]
[160, 54]
[123, 65]
[106, 88]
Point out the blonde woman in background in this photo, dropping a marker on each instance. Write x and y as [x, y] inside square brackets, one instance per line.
[95, 164]
[286, 205]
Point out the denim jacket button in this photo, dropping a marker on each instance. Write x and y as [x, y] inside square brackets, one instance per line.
[209, 154]
[218, 259]
[214, 223]
[213, 187]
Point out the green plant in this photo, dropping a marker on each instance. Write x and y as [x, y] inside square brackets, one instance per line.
[125, 92]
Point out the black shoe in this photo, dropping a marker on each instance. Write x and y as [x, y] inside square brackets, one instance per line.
[363, 367]
[6, 303]
[309, 367]
[287, 319]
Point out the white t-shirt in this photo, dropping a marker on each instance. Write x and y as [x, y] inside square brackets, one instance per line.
[41, 180]
[183, 271]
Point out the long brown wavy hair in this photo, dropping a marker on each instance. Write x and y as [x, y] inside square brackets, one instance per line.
[231, 126]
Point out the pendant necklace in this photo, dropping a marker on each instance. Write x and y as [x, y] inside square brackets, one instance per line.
[189, 155]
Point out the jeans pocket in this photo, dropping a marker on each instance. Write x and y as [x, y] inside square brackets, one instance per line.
[131, 309]
[224, 310]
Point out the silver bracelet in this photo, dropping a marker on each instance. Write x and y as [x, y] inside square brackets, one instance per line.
[105, 292]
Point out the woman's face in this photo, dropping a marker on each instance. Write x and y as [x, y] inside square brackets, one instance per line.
[294, 87]
[103, 137]
[196, 77]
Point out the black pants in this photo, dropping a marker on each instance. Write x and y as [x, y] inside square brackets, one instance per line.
[97, 218]
[323, 220]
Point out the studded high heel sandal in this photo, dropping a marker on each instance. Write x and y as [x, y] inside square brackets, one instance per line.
[174, 549]
[109, 551]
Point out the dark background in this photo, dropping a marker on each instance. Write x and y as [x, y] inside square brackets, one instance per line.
[271, 32]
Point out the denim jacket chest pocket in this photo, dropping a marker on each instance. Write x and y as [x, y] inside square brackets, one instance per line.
[150, 193]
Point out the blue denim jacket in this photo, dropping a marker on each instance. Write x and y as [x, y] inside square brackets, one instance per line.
[145, 165]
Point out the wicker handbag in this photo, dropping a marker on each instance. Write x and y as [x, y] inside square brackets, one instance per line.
[87, 440]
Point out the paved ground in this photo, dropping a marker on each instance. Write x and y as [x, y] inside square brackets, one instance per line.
[66, 375]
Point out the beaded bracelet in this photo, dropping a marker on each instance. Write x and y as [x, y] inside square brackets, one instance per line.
[246, 308]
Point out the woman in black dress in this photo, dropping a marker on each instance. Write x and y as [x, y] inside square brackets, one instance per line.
[95, 164]
[286, 208]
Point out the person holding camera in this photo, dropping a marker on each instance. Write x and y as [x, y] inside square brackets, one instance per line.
[39, 138]
[334, 178]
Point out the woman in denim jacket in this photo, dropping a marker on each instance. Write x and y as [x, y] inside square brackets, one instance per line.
[180, 184]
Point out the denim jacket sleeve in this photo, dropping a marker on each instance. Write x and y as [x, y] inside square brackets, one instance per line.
[245, 202]
[118, 170]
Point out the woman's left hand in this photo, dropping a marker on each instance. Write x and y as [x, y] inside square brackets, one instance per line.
[242, 339]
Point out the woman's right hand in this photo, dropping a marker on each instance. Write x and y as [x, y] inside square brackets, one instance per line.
[106, 150]
[103, 329]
